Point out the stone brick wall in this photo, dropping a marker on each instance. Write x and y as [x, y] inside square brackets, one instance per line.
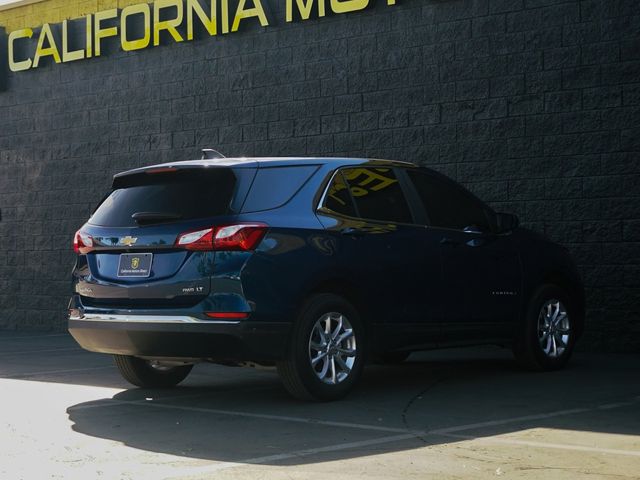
[534, 104]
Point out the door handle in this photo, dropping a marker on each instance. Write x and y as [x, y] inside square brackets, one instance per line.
[475, 242]
[352, 232]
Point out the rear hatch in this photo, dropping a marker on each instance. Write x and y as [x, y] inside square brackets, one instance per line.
[128, 254]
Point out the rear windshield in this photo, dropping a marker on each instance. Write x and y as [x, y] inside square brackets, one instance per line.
[166, 197]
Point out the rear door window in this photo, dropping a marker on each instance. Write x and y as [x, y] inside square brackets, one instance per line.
[449, 205]
[275, 186]
[173, 195]
[378, 195]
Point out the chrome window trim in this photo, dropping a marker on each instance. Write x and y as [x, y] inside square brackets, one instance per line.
[320, 205]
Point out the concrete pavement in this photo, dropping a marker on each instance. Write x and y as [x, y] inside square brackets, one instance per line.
[67, 414]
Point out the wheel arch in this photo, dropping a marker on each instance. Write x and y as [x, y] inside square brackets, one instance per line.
[574, 290]
[344, 288]
[353, 294]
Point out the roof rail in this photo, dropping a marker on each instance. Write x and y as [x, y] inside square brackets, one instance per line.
[211, 154]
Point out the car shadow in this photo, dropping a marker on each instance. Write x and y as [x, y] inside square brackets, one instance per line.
[247, 417]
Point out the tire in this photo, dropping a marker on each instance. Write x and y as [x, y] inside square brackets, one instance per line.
[142, 373]
[542, 343]
[327, 379]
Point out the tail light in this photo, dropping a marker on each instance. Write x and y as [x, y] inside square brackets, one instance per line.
[200, 240]
[240, 237]
[82, 242]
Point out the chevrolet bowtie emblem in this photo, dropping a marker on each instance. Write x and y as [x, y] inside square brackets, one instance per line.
[128, 241]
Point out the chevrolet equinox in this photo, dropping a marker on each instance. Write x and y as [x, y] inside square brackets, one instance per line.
[312, 265]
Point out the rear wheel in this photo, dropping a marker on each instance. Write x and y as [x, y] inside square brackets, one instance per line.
[547, 336]
[325, 357]
[148, 373]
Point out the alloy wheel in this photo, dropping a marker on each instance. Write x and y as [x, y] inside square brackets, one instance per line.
[332, 348]
[554, 328]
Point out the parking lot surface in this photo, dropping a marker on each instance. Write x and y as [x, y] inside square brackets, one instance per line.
[67, 414]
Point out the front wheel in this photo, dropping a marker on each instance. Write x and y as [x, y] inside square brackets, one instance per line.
[548, 334]
[150, 374]
[325, 357]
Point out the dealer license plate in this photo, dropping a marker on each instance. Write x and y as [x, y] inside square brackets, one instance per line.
[135, 265]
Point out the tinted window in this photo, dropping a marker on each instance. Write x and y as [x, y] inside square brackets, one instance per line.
[275, 186]
[338, 198]
[448, 205]
[176, 195]
[378, 194]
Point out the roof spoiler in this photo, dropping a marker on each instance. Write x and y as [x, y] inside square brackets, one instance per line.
[211, 154]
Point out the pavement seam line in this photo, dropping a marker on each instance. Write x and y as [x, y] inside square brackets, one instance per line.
[280, 418]
[524, 418]
[439, 431]
[216, 467]
[378, 441]
[530, 443]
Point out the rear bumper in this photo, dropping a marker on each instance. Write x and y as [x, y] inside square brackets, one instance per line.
[180, 337]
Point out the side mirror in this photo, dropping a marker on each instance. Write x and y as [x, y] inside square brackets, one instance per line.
[507, 222]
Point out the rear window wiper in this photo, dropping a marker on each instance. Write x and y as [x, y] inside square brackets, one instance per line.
[155, 217]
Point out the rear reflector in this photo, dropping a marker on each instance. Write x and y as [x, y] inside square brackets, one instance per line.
[82, 242]
[228, 315]
[240, 237]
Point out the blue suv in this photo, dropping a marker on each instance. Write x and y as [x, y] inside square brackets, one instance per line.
[312, 265]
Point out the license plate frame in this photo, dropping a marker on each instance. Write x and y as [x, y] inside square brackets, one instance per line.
[135, 265]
